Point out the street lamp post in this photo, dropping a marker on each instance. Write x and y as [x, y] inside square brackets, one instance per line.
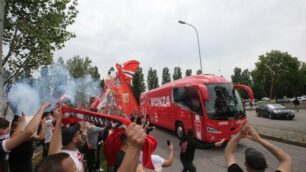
[182, 22]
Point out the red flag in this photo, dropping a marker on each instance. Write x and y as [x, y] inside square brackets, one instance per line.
[117, 93]
[129, 68]
[124, 97]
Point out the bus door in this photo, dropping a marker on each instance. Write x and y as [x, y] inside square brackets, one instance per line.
[196, 108]
[182, 107]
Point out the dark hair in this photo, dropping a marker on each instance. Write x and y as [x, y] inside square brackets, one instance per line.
[255, 159]
[52, 163]
[4, 123]
[123, 139]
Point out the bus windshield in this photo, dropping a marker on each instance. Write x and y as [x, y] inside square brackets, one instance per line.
[224, 102]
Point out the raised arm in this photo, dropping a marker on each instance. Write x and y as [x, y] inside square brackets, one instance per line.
[29, 130]
[136, 138]
[169, 160]
[42, 132]
[285, 162]
[232, 144]
[56, 140]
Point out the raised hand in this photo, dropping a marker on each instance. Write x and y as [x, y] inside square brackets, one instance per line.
[253, 135]
[58, 115]
[136, 135]
[45, 105]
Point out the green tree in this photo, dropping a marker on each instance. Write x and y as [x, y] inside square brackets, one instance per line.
[273, 66]
[246, 77]
[188, 72]
[79, 67]
[242, 78]
[166, 76]
[152, 79]
[236, 78]
[138, 85]
[303, 74]
[177, 74]
[199, 72]
[33, 30]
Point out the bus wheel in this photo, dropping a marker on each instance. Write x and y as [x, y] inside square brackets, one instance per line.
[180, 130]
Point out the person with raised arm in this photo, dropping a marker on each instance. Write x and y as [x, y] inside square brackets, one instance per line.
[255, 160]
[8, 143]
[66, 140]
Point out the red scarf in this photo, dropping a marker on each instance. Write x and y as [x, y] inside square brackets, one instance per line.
[72, 115]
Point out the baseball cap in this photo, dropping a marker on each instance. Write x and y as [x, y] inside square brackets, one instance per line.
[69, 132]
[255, 159]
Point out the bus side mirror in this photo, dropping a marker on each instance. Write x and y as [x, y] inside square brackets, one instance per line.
[247, 89]
[204, 92]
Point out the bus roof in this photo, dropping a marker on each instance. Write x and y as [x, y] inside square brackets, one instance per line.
[195, 79]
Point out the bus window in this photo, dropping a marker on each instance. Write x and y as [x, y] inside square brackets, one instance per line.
[224, 102]
[188, 98]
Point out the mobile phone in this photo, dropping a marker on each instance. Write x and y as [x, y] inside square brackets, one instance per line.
[168, 142]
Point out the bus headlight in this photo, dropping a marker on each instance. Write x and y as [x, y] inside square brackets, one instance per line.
[213, 130]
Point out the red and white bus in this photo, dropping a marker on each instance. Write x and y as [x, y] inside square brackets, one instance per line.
[209, 104]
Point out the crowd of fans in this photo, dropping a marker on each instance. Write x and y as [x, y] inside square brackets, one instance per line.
[78, 147]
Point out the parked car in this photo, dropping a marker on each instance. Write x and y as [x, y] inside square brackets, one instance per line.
[265, 99]
[274, 111]
[302, 99]
[283, 100]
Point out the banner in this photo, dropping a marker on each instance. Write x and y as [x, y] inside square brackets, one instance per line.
[117, 97]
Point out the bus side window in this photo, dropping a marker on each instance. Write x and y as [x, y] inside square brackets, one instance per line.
[180, 97]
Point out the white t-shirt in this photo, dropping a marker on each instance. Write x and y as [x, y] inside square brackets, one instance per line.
[77, 158]
[48, 132]
[157, 163]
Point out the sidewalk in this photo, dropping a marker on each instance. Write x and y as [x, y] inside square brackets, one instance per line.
[290, 137]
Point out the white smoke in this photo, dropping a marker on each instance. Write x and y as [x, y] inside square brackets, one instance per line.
[27, 95]
[24, 99]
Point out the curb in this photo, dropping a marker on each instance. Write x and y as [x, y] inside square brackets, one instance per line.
[291, 142]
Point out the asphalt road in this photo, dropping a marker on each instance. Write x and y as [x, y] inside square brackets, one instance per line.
[297, 124]
[213, 160]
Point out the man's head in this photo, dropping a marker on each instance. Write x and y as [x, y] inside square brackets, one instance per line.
[47, 115]
[59, 162]
[4, 126]
[71, 135]
[254, 160]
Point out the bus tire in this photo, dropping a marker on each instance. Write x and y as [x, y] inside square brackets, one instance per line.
[180, 132]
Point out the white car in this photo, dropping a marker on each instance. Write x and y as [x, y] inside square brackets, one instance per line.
[265, 99]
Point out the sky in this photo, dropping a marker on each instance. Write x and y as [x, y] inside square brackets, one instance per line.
[231, 33]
